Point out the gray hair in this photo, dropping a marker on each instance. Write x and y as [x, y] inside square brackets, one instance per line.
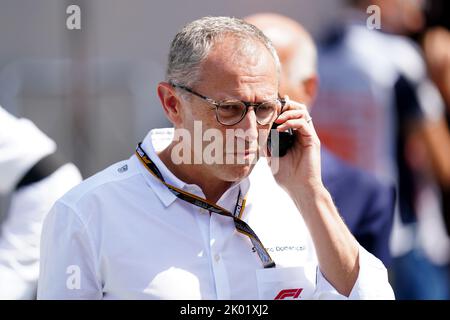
[191, 46]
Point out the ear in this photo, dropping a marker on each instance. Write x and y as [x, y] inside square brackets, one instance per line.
[310, 86]
[170, 102]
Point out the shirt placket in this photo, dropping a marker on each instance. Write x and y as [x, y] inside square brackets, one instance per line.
[203, 221]
[216, 231]
[211, 234]
[221, 228]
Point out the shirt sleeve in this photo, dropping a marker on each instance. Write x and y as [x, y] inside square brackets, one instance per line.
[68, 268]
[372, 282]
[20, 232]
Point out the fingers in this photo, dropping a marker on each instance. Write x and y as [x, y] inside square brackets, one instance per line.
[293, 105]
[296, 117]
[292, 110]
[306, 134]
[295, 124]
[293, 114]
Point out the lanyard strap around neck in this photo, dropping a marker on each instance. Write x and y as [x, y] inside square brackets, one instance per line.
[241, 226]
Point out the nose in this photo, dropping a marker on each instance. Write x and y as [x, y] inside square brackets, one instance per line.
[249, 125]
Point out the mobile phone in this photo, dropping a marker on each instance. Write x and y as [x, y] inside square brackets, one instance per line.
[285, 141]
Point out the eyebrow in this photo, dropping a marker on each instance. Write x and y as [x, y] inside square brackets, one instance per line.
[265, 98]
[194, 92]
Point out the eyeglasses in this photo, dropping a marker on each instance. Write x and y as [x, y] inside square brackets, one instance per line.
[231, 112]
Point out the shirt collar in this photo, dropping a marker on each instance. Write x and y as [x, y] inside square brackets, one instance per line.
[158, 139]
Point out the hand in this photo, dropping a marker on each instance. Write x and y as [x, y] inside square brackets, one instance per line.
[300, 175]
[300, 167]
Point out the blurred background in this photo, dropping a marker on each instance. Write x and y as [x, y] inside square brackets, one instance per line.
[93, 90]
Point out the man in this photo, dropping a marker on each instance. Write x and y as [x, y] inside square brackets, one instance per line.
[32, 178]
[175, 225]
[366, 206]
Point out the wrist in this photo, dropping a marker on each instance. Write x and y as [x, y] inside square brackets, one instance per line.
[311, 196]
[312, 189]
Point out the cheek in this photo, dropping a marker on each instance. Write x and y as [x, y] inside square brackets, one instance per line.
[191, 117]
[203, 114]
[203, 125]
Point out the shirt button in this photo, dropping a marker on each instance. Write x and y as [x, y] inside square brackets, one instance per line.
[217, 257]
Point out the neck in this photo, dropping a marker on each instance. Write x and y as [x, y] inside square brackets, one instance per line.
[212, 187]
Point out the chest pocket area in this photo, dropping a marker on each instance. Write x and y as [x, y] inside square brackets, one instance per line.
[293, 283]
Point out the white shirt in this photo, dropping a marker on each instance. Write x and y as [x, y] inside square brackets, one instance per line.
[22, 145]
[122, 234]
[20, 231]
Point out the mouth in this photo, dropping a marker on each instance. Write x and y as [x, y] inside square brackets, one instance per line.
[243, 153]
[244, 157]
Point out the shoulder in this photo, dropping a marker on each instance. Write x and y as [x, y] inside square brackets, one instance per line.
[103, 188]
[339, 175]
[407, 57]
[368, 47]
[358, 195]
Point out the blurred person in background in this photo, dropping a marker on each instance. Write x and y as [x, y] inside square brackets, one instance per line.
[436, 44]
[366, 205]
[32, 178]
[437, 13]
[379, 110]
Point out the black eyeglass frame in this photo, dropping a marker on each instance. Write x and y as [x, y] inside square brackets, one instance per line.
[216, 104]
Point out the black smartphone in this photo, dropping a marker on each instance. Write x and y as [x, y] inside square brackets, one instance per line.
[285, 141]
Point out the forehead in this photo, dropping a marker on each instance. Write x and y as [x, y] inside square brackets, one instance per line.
[239, 68]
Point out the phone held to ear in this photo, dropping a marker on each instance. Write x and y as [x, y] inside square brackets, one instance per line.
[285, 141]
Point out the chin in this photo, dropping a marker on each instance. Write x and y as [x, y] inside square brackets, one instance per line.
[236, 172]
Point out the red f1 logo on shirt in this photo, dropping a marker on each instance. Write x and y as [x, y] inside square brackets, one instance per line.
[287, 293]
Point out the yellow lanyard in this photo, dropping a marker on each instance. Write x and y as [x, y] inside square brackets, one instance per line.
[240, 225]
